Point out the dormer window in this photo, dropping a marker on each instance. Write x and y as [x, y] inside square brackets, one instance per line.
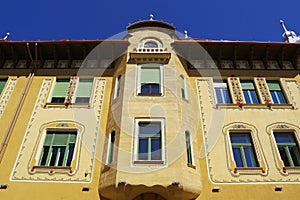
[150, 45]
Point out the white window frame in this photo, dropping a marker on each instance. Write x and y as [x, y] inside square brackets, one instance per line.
[181, 77]
[75, 91]
[109, 146]
[138, 86]
[191, 147]
[117, 88]
[136, 142]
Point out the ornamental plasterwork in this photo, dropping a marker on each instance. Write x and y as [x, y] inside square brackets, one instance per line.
[20, 173]
[6, 93]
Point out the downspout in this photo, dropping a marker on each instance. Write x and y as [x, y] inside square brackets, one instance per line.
[19, 107]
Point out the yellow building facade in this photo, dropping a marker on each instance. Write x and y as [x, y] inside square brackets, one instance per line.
[149, 116]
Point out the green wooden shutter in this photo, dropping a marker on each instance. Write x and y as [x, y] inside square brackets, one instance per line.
[84, 88]
[150, 75]
[247, 85]
[2, 84]
[61, 88]
[274, 85]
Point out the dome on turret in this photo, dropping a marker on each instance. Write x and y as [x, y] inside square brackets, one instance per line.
[150, 23]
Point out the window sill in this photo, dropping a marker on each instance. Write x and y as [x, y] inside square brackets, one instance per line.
[151, 95]
[191, 165]
[67, 105]
[255, 106]
[249, 170]
[290, 170]
[148, 162]
[51, 170]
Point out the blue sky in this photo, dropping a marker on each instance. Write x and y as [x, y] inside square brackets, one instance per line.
[251, 20]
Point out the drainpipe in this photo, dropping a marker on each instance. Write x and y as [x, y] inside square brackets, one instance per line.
[19, 107]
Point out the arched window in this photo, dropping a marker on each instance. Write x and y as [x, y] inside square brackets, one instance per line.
[150, 44]
[110, 148]
[188, 148]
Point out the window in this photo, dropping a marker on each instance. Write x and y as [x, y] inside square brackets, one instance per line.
[74, 90]
[288, 148]
[150, 81]
[276, 92]
[249, 92]
[117, 86]
[222, 92]
[84, 90]
[188, 148]
[149, 144]
[150, 44]
[110, 149]
[58, 149]
[2, 85]
[183, 87]
[243, 150]
[60, 91]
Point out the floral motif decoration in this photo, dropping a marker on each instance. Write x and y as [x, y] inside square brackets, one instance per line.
[264, 90]
[237, 126]
[71, 89]
[281, 126]
[236, 89]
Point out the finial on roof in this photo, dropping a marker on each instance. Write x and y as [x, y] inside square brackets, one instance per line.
[6, 36]
[185, 34]
[151, 16]
[289, 36]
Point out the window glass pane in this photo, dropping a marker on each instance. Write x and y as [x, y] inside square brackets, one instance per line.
[188, 147]
[61, 88]
[155, 149]
[45, 153]
[254, 97]
[250, 157]
[283, 138]
[150, 45]
[61, 156]
[280, 97]
[70, 155]
[143, 149]
[149, 127]
[283, 156]
[294, 151]
[239, 138]
[2, 84]
[237, 157]
[53, 155]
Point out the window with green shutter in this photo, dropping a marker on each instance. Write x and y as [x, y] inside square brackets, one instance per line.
[60, 91]
[84, 90]
[276, 92]
[2, 85]
[150, 83]
[58, 148]
[288, 148]
[249, 92]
